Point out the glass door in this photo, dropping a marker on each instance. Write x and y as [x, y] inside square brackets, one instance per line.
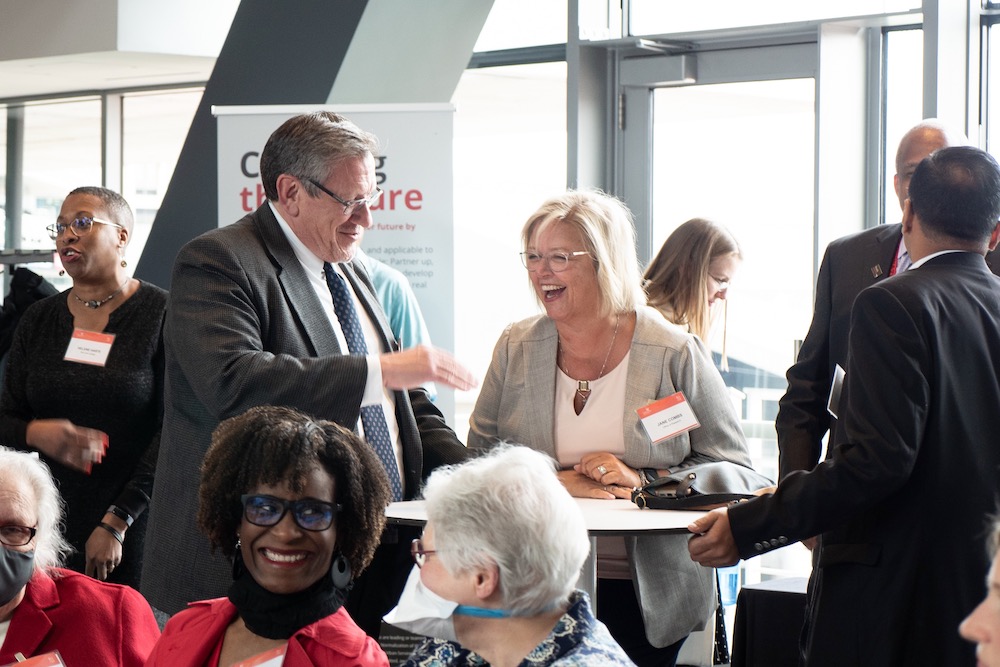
[735, 141]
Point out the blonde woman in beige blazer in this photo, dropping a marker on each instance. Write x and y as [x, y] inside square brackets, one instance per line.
[569, 382]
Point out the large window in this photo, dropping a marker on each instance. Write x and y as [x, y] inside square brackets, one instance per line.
[904, 51]
[154, 127]
[510, 155]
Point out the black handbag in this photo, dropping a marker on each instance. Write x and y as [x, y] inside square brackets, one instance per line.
[701, 486]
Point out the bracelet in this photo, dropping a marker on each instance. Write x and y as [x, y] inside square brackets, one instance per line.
[121, 514]
[111, 529]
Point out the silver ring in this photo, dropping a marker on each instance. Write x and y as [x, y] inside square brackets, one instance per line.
[602, 470]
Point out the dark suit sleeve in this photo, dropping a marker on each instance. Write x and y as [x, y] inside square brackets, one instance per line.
[884, 421]
[239, 344]
[803, 419]
[440, 444]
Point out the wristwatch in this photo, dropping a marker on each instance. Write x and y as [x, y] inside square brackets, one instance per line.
[121, 514]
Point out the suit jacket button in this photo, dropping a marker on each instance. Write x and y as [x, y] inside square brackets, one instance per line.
[783, 540]
[758, 546]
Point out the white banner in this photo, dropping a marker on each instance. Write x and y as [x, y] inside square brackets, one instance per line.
[413, 222]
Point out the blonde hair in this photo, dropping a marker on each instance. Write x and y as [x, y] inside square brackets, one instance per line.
[676, 279]
[608, 232]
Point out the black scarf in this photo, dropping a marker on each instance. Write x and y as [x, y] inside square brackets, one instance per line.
[278, 616]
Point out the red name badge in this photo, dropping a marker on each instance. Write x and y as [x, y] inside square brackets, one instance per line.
[52, 659]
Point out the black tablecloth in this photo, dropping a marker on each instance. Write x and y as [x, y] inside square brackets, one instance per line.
[769, 618]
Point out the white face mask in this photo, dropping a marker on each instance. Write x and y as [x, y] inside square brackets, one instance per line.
[423, 612]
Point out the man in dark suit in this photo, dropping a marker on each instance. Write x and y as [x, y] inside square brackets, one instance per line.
[901, 502]
[254, 319]
[850, 264]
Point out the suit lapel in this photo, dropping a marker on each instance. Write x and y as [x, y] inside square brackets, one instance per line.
[302, 301]
[30, 625]
[883, 253]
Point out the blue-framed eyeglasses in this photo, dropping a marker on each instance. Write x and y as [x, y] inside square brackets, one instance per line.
[309, 513]
[351, 206]
[80, 227]
[558, 261]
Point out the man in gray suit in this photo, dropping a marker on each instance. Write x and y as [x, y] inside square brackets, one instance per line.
[256, 316]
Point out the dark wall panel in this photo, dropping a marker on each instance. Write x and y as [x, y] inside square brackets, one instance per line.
[277, 52]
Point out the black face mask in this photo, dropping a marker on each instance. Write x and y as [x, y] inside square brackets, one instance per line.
[279, 616]
[16, 568]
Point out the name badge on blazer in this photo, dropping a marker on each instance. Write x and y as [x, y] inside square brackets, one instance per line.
[52, 659]
[668, 417]
[89, 347]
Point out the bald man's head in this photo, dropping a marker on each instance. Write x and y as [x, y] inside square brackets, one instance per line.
[920, 141]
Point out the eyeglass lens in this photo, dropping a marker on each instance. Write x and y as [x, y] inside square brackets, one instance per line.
[309, 514]
[80, 227]
[16, 536]
[558, 261]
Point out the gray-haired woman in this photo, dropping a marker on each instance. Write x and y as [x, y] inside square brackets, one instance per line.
[496, 567]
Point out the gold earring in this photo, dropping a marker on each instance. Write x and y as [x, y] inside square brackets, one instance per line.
[124, 263]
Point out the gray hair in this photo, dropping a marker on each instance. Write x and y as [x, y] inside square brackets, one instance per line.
[118, 209]
[508, 508]
[309, 147]
[608, 235]
[50, 545]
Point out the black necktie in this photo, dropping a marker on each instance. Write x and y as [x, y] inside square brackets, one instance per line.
[372, 416]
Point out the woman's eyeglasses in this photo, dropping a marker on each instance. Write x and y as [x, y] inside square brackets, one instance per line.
[80, 227]
[16, 536]
[309, 514]
[419, 553]
[558, 261]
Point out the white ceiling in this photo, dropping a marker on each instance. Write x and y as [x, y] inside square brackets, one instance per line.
[98, 71]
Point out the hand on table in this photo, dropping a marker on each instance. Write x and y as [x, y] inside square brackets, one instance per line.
[713, 544]
[74, 446]
[607, 469]
[421, 364]
[581, 486]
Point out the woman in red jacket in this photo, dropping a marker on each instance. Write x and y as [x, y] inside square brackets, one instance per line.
[44, 608]
[299, 505]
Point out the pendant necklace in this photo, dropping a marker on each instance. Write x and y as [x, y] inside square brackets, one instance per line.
[94, 303]
[583, 386]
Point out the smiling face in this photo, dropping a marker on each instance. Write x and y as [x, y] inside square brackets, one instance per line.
[983, 625]
[319, 222]
[573, 292]
[96, 254]
[720, 274]
[285, 558]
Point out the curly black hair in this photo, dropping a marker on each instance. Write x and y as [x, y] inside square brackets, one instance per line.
[270, 445]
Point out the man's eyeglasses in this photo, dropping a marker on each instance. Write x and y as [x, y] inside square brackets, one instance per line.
[351, 206]
[558, 261]
[16, 536]
[309, 514]
[80, 227]
[419, 553]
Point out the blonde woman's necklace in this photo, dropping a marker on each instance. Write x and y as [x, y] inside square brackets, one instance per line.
[97, 303]
[583, 389]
